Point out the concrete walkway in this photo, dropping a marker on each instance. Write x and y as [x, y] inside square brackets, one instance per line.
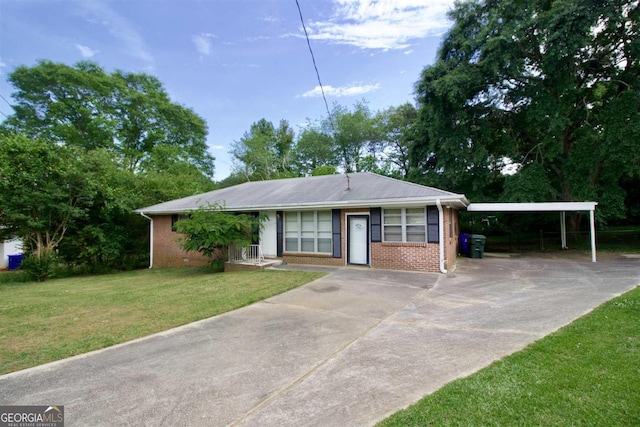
[347, 349]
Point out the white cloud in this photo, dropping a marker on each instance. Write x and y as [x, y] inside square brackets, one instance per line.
[382, 24]
[86, 51]
[271, 19]
[203, 43]
[217, 147]
[119, 27]
[341, 91]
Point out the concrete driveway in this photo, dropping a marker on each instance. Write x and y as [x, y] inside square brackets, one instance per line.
[347, 349]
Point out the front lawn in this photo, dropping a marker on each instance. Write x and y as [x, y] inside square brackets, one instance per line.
[586, 374]
[42, 322]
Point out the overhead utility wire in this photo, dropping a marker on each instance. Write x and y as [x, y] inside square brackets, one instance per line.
[5, 100]
[313, 58]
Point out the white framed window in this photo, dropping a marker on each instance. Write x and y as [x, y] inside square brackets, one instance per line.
[404, 225]
[308, 231]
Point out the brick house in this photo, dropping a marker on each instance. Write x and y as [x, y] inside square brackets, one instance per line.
[356, 219]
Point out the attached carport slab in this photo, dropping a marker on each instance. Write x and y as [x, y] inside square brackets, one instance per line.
[561, 207]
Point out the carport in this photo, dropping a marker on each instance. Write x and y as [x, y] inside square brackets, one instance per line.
[561, 207]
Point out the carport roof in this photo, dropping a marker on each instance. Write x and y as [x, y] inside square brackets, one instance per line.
[362, 189]
[546, 207]
[532, 207]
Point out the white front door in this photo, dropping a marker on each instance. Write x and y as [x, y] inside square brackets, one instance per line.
[358, 236]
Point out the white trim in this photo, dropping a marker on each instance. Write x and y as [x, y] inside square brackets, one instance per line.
[532, 207]
[150, 238]
[443, 270]
[458, 200]
[346, 236]
[593, 236]
[563, 229]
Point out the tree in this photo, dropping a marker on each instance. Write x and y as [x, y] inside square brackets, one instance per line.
[551, 86]
[353, 133]
[125, 113]
[44, 189]
[264, 151]
[210, 230]
[314, 151]
[397, 130]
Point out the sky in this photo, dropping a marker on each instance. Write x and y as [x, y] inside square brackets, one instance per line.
[235, 62]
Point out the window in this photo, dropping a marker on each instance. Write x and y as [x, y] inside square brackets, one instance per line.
[308, 231]
[174, 218]
[404, 225]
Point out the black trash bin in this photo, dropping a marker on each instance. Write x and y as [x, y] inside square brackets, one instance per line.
[15, 261]
[464, 244]
[476, 245]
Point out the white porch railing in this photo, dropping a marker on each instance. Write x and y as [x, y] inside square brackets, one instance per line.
[246, 254]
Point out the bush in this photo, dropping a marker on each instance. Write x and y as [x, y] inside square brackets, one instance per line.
[217, 265]
[40, 269]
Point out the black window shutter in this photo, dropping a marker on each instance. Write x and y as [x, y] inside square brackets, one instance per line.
[432, 225]
[279, 233]
[376, 224]
[174, 218]
[335, 233]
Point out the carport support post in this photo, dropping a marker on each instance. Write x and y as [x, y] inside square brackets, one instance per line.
[593, 236]
[563, 229]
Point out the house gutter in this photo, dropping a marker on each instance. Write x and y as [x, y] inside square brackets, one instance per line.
[150, 238]
[455, 199]
[441, 236]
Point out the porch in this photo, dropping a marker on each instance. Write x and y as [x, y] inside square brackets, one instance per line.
[242, 258]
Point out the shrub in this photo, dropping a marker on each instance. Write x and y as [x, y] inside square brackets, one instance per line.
[40, 269]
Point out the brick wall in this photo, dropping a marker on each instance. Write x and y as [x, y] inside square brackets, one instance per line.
[392, 255]
[386, 255]
[405, 256]
[166, 252]
[312, 259]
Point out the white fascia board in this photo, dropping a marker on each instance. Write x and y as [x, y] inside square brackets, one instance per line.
[454, 200]
[532, 207]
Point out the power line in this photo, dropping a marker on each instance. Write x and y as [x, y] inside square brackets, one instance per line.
[4, 113]
[5, 100]
[313, 58]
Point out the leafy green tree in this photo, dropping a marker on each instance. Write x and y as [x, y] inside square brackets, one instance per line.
[125, 113]
[110, 236]
[68, 105]
[353, 133]
[397, 130]
[314, 151]
[552, 86]
[211, 229]
[264, 152]
[44, 189]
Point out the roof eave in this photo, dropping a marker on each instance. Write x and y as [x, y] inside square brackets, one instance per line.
[454, 200]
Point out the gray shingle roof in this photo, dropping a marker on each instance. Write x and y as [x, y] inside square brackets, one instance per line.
[361, 189]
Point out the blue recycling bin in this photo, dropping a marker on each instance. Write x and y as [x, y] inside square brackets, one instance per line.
[464, 244]
[15, 261]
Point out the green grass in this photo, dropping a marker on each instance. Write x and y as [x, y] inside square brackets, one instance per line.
[586, 374]
[43, 322]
